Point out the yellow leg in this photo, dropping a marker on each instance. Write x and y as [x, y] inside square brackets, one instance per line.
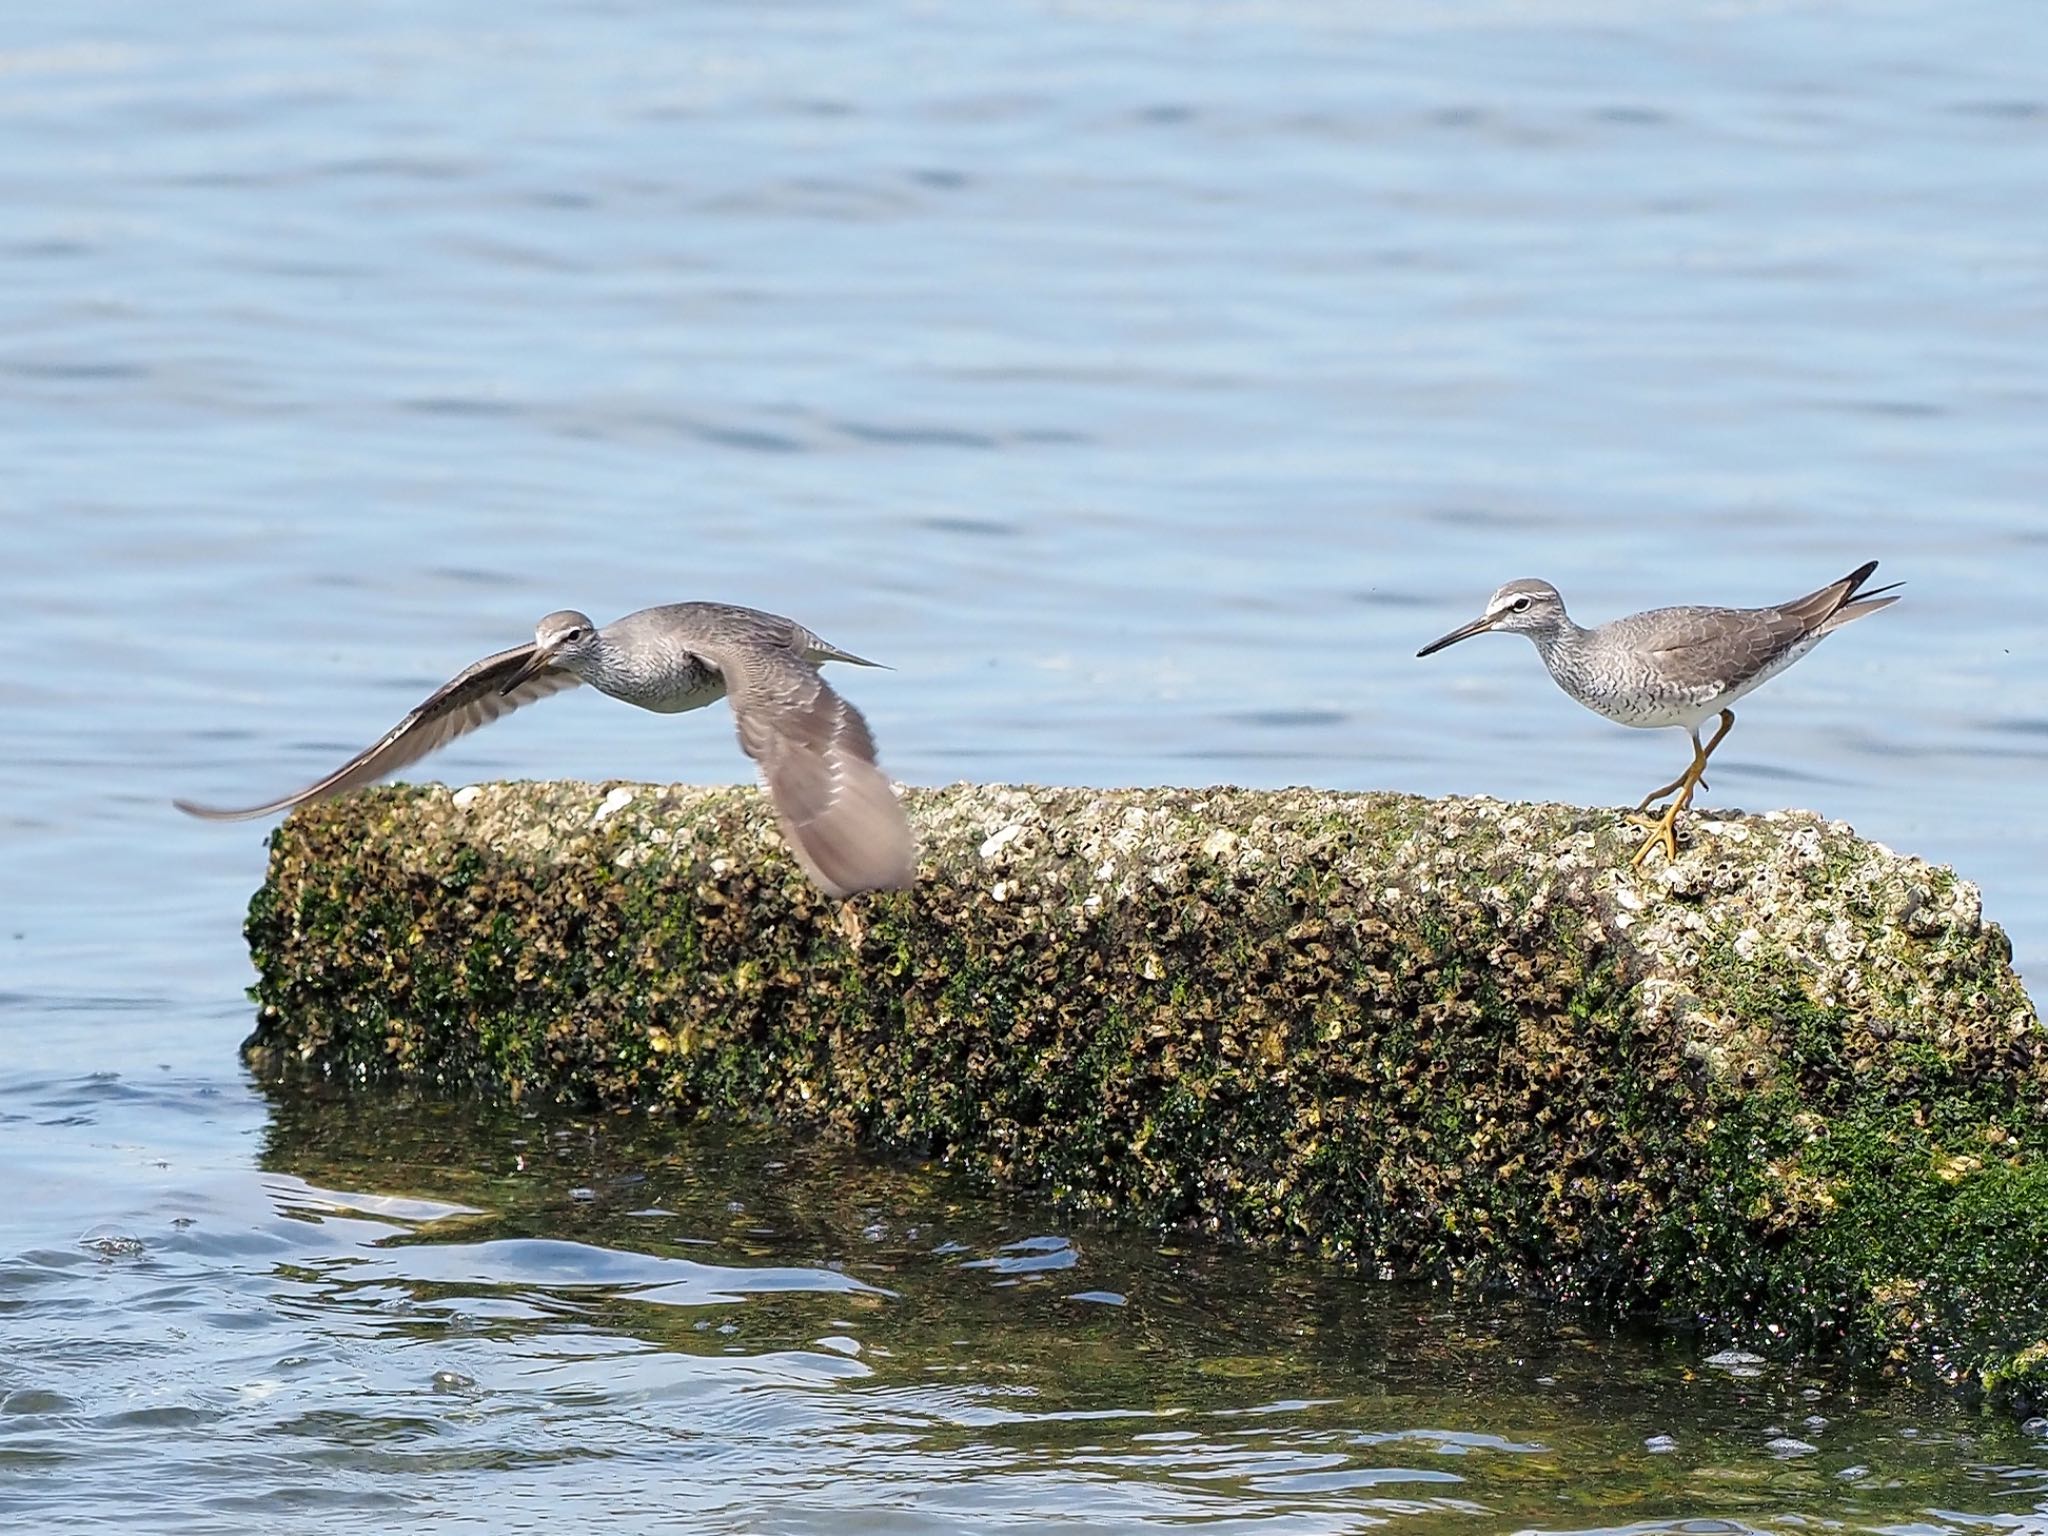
[1680, 782]
[1663, 829]
[1699, 764]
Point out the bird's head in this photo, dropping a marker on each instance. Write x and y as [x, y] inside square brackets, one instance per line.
[1525, 606]
[562, 639]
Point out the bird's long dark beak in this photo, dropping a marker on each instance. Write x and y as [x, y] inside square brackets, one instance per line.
[538, 661]
[1464, 632]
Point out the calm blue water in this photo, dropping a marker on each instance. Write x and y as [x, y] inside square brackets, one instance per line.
[1145, 381]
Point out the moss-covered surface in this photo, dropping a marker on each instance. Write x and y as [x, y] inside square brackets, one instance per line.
[1789, 1087]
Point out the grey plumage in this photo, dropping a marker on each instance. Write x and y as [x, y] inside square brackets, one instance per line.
[473, 698]
[1673, 666]
[813, 749]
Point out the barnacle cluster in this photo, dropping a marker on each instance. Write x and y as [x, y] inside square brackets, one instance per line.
[1787, 1088]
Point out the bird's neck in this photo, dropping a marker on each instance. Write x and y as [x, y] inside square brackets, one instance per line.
[1562, 645]
[609, 668]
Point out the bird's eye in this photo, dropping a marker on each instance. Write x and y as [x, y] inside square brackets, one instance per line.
[1521, 605]
[572, 634]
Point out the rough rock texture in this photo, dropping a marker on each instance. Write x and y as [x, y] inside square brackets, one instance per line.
[1788, 1087]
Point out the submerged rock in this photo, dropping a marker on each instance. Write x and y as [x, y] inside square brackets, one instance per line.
[1788, 1087]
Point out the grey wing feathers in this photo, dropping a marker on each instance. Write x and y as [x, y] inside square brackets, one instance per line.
[1845, 601]
[462, 704]
[1839, 602]
[728, 627]
[1700, 647]
[842, 818]
[1817, 607]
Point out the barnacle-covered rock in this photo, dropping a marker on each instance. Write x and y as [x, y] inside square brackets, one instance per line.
[1788, 1087]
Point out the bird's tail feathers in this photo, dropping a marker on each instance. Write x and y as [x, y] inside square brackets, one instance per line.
[1840, 602]
[1862, 607]
[1855, 603]
[822, 650]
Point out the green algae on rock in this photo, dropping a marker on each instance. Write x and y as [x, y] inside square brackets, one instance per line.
[1789, 1087]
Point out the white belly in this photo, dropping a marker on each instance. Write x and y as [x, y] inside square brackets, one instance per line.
[686, 696]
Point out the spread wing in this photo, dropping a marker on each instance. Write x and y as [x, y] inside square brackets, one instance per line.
[842, 819]
[464, 703]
